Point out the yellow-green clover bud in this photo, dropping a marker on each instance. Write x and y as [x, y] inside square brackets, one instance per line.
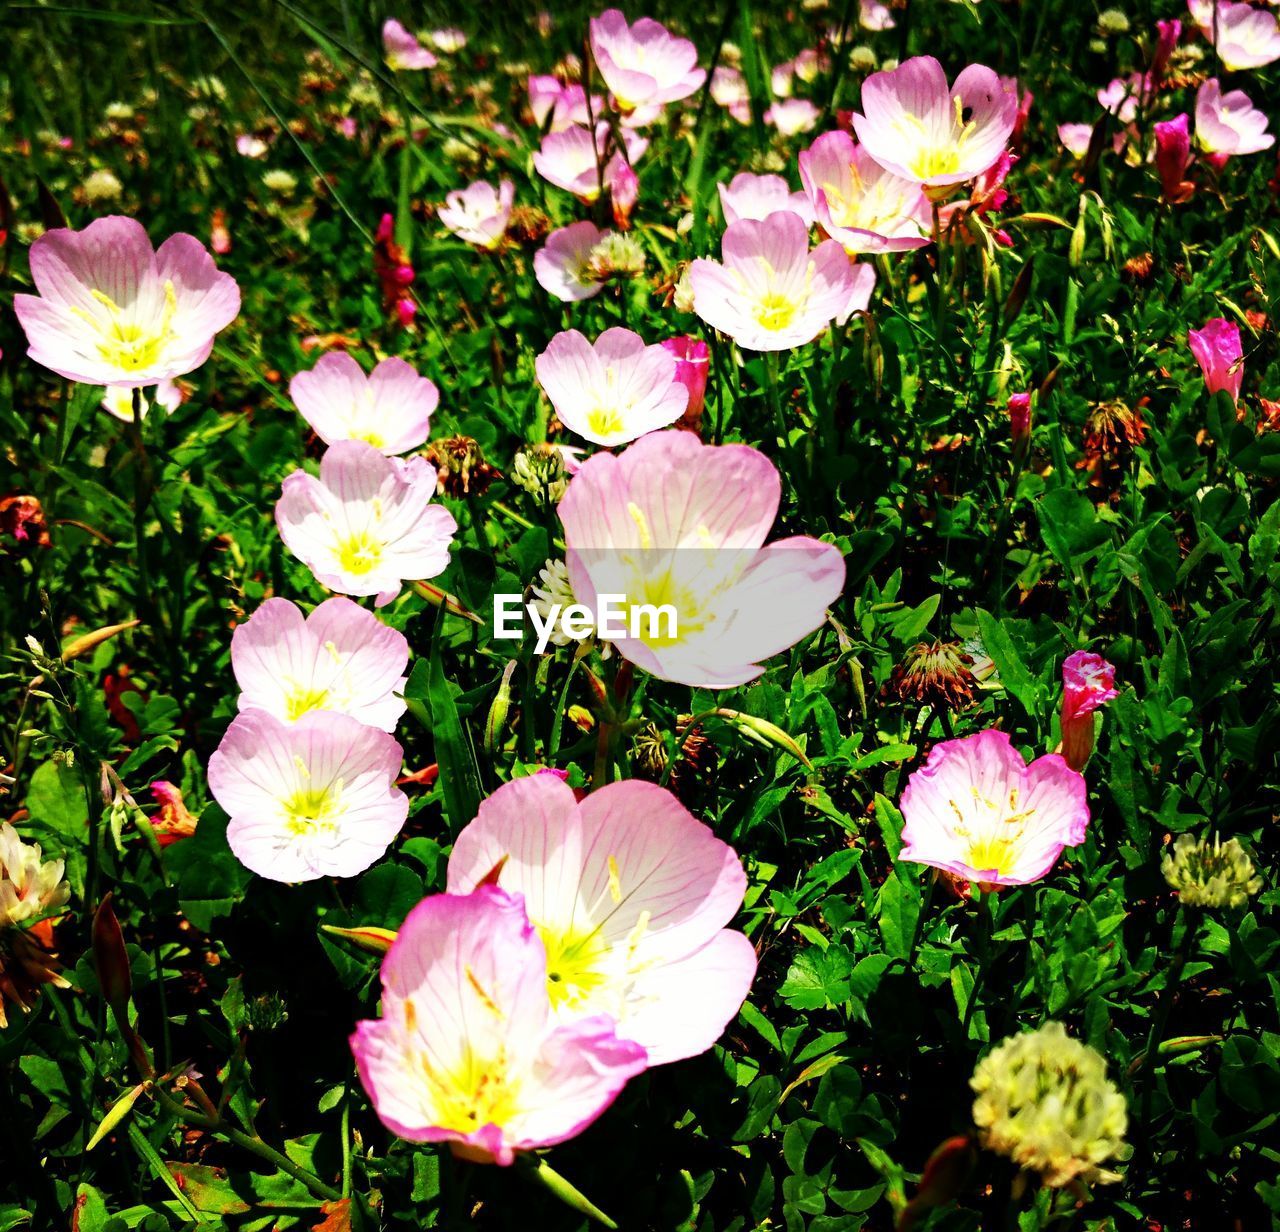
[1208, 874]
[1045, 1102]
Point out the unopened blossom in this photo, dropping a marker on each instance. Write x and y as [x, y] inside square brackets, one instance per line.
[174, 821]
[578, 162]
[1210, 874]
[1218, 350]
[758, 196]
[281, 182]
[461, 468]
[315, 798]
[916, 126]
[771, 293]
[117, 400]
[1043, 1100]
[630, 895]
[1167, 35]
[693, 361]
[858, 202]
[616, 257]
[340, 658]
[479, 213]
[1244, 36]
[977, 810]
[30, 886]
[541, 471]
[111, 310]
[1229, 123]
[670, 521]
[643, 63]
[624, 190]
[367, 524]
[614, 390]
[1173, 158]
[562, 265]
[467, 1050]
[390, 408]
[402, 50]
[792, 115]
[102, 185]
[1019, 408]
[1088, 683]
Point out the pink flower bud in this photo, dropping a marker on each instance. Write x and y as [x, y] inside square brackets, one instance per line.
[406, 310]
[1173, 157]
[386, 229]
[1088, 682]
[1020, 417]
[624, 190]
[1167, 35]
[404, 274]
[1217, 349]
[692, 363]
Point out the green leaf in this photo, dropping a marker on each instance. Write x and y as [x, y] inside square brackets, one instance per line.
[1013, 672]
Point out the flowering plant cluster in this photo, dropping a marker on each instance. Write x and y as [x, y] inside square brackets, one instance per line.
[874, 408]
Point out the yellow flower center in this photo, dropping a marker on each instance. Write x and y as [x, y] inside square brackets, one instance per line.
[993, 842]
[359, 553]
[313, 808]
[575, 966]
[605, 421]
[131, 345]
[775, 311]
[303, 699]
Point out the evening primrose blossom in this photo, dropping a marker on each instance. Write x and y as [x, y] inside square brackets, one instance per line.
[916, 126]
[1044, 1101]
[111, 310]
[1208, 874]
[467, 1050]
[630, 895]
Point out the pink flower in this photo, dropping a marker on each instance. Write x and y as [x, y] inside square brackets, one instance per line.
[630, 895]
[1173, 158]
[390, 409]
[367, 524]
[977, 810]
[561, 265]
[1167, 35]
[792, 115]
[402, 50]
[113, 311]
[117, 400]
[918, 128]
[671, 521]
[449, 40]
[315, 798]
[613, 391]
[1088, 682]
[624, 190]
[692, 363]
[563, 105]
[643, 63]
[771, 293]
[1019, 407]
[1245, 37]
[250, 145]
[858, 202]
[1229, 123]
[1075, 138]
[1121, 96]
[340, 659]
[544, 93]
[1216, 346]
[467, 1050]
[758, 196]
[479, 213]
[573, 160]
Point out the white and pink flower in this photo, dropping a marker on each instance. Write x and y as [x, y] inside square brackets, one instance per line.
[315, 798]
[111, 310]
[977, 810]
[630, 895]
[479, 213]
[858, 202]
[1229, 123]
[368, 523]
[562, 264]
[758, 196]
[671, 521]
[468, 1051]
[614, 390]
[771, 293]
[1244, 36]
[574, 159]
[341, 658]
[402, 50]
[919, 128]
[643, 63]
[390, 408]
